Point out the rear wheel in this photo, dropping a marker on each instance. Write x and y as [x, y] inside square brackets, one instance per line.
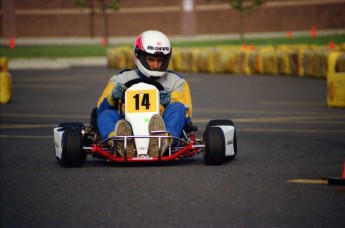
[214, 153]
[73, 154]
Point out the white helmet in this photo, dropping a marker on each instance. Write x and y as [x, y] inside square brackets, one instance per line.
[154, 43]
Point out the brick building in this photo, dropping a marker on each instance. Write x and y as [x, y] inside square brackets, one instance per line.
[59, 18]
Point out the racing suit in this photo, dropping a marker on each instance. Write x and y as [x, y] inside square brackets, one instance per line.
[175, 116]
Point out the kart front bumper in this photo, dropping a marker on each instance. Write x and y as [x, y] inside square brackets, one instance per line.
[186, 151]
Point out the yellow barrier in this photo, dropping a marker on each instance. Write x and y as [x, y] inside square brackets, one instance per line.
[290, 58]
[3, 64]
[315, 63]
[241, 63]
[269, 61]
[253, 62]
[335, 82]
[287, 62]
[227, 60]
[175, 59]
[191, 56]
[202, 61]
[340, 63]
[5, 87]
[300, 56]
[120, 58]
[217, 60]
[301, 60]
[342, 47]
[5, 81]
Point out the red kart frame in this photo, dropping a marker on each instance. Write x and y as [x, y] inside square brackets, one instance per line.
[189, 149]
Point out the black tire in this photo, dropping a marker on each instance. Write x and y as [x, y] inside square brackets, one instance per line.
[214, 153]
[220, 122]
[73, 154]
[225, 122]
[72, 125]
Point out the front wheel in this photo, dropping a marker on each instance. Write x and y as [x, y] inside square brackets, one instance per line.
[73, 154]
[214, 153]
[226, 122]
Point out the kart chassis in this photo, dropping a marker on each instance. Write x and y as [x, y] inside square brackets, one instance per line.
[74, 141]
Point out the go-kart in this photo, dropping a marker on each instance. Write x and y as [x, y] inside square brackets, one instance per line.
[74, 141]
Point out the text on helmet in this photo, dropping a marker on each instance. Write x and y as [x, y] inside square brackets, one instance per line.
[158, 48]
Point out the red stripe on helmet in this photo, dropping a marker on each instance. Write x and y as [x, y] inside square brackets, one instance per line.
[139, 42]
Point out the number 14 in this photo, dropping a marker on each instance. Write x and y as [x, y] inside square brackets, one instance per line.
[145, 102]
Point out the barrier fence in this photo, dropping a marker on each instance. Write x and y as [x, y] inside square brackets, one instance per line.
[294, 60]
[5, 82]
[336, 80]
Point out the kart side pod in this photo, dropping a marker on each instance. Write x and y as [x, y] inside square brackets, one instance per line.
[58, 142]
[228, 132]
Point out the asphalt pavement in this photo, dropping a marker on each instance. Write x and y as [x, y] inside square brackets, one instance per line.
[288, 139]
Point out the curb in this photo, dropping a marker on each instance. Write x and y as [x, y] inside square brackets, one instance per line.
[55, 63]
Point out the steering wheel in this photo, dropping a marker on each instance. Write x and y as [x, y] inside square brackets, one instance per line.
[145, 80]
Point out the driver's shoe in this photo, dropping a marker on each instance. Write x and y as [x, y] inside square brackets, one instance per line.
[157, 124]
[123, 128]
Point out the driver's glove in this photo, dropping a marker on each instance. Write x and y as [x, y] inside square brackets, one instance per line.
[119, 91]
[164, 96]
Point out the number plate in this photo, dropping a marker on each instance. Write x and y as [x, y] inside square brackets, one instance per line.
[141, 101]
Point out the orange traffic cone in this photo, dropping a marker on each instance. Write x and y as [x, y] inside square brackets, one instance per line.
[313, 31]
[337, 180]
[289, 34]
[331, 45]
[11, 43]
[104, 41]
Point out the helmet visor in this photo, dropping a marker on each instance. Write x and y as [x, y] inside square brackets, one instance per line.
[153, 62]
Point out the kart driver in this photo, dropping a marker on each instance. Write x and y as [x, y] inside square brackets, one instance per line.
[152, 52]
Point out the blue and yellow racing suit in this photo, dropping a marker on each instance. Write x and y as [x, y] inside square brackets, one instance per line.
[175, 115]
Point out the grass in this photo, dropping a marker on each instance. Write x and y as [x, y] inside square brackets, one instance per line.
[54, 51]
[319, 40]
[98, 50]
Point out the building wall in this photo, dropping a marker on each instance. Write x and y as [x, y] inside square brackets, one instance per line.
[58, 18]
[295, 17]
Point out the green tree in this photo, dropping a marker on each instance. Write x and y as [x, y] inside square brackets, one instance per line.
[245, 7]
[103, 5]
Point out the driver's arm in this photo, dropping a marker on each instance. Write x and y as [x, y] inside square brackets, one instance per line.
[182, 95]
[106, 100]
